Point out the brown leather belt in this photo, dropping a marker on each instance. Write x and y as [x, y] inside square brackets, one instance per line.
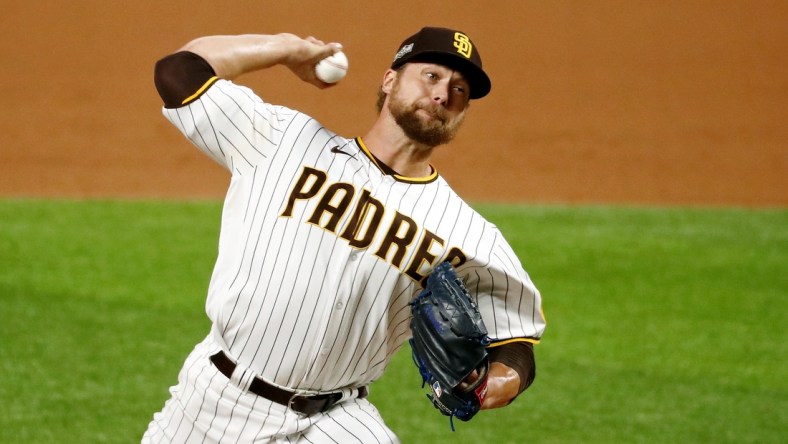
[307, 405]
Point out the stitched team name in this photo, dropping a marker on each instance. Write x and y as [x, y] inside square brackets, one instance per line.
[391, 232]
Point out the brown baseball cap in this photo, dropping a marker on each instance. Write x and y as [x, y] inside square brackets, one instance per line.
[447, 47]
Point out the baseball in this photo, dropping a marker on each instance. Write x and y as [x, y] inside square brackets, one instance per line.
[333, 68]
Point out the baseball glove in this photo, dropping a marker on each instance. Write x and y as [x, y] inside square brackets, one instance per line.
[449, 343]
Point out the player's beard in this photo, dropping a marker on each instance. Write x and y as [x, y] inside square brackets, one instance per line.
[439, 130]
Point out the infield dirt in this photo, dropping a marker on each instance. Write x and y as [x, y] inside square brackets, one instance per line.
[668, 102]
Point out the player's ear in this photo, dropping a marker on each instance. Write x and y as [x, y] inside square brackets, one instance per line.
[388, 80]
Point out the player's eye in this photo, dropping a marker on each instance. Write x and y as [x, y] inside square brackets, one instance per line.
[460, 91]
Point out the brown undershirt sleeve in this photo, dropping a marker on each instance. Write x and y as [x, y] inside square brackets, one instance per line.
[181, 76]
[520, 357]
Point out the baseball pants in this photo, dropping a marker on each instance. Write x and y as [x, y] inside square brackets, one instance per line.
[206, 407]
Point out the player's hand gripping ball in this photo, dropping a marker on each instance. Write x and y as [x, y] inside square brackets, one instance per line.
[333, 68]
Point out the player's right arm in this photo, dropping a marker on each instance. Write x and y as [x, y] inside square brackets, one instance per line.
[231, 56]
[226, 121]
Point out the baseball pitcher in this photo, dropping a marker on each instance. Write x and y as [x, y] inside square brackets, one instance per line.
[334, 252]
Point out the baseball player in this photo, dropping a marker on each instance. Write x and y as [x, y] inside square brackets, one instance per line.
[325, 240]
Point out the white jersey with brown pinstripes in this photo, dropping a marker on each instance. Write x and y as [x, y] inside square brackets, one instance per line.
[320, 250]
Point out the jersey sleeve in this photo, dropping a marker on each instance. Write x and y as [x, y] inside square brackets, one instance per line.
[181, 77]
[228, 122]
[509, 302]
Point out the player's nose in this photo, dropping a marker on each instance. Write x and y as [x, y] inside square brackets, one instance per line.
[440, 94]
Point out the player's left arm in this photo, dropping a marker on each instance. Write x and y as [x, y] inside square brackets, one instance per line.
[512, 370]
[511, 307]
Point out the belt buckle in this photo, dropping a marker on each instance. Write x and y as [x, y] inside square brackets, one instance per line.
[290, 404]
[328, 400]
[331, 400]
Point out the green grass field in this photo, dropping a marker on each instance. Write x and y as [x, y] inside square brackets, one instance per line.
[664, 325]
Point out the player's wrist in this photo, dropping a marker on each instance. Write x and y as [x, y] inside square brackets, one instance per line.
[503, 386]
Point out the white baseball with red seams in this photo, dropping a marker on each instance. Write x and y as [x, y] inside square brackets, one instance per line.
[333, 68]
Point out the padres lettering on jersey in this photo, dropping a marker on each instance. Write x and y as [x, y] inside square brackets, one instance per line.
[320, 251]
[392, 242]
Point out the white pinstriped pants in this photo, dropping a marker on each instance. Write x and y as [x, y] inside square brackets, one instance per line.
[206, 408]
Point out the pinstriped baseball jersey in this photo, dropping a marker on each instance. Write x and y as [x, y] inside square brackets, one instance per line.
[320, 250]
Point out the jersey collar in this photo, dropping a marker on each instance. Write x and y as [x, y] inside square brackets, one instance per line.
[385, 169]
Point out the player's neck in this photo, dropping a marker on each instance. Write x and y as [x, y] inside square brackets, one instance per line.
[400, 153]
